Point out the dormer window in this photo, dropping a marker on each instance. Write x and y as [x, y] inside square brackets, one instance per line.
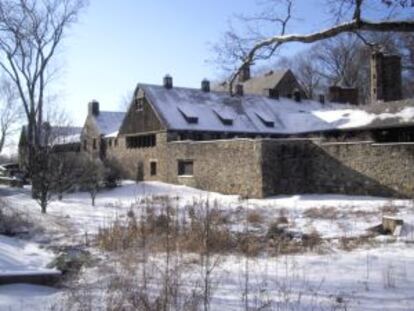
[225, 117]
[139, 104]
[188, 114]
[268, 122]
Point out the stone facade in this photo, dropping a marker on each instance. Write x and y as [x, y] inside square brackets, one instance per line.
[265, 167]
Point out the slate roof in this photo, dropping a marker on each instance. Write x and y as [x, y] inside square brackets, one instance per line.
[194, 110]
[109, 122]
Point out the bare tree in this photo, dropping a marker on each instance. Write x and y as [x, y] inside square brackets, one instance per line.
[10, 112]
[92, 178]
[30, 33]
[240, 50]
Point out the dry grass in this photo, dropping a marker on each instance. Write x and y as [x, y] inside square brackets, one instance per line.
[330, 213]
[255, 218]
[352, 243]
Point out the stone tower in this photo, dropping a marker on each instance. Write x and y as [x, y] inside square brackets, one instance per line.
[385, 77]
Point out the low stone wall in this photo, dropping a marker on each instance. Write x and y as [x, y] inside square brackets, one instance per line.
[360, 168]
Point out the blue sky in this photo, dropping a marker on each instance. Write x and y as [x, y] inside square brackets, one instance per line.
[117, 44]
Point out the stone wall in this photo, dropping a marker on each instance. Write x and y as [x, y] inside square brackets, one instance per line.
[301, 166]
[226, 166]
[264, 167]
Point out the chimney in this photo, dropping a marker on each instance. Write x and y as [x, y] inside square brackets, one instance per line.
[93, 108]
[338, 94]
[239, 90]
[168, 82]
[385, 77]
[244, 74]
[322, 99]
[205, 85]
[297, 96]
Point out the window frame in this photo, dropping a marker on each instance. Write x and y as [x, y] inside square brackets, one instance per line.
[153, 167]
[185, 168]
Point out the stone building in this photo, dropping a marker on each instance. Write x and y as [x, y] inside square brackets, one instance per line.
[259, 143]
[100, 130]
[274, 83]
[60, 138]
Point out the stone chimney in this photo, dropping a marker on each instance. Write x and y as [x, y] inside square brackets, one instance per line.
[339, 94]
[93, 108]
[205, 85]
[385, 77]
[239, 90]
[244, 74]
[168, 82]
[297, 96]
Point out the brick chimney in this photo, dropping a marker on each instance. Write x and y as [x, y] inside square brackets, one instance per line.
[205, 85]
[93, 108]
[168, 82]
[339, 94]
[244, 74]
[385, 77]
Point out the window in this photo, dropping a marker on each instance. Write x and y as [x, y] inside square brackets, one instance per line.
[94, 143]
[153, 168]
[141, 141]
[189, 115]
[85, 145]
[225, 117]
[116, 142]
[110, 142]
[139, 104]
[185, 167]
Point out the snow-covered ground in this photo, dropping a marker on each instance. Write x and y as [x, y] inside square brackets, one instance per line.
[376, 277]
[18, 256]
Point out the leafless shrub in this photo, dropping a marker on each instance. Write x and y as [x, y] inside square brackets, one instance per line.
[330, 213]
[254, 217]
[12, 222]
[350, 243]
[390, 209]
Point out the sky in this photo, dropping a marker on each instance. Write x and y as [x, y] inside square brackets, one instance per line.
[117, 44]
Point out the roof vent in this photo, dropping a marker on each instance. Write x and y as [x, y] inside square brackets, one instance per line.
[239, 90]
[168, 82]
[205, 85]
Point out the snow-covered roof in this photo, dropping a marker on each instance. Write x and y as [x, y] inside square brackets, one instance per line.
[258, 84]
[109, 121]
[195, 110]
[59, 135]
